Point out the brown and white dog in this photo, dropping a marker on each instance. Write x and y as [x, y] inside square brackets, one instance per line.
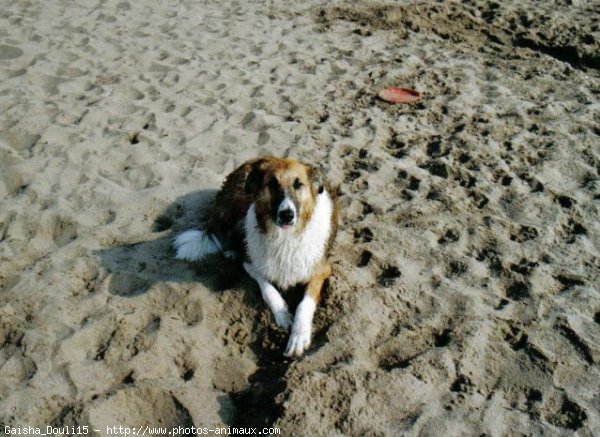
[281, 216]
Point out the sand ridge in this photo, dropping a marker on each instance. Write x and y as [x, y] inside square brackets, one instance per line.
[465, 292]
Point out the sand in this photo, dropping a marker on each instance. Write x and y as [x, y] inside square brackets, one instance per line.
[465, 296]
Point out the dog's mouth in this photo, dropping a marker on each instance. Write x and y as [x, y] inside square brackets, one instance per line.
[285, 226]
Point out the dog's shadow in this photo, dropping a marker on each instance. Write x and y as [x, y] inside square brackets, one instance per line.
[135, 268]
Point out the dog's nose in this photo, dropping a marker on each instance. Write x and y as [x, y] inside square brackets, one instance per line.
[286, 216]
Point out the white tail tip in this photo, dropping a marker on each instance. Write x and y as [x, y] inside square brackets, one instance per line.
[194, 245]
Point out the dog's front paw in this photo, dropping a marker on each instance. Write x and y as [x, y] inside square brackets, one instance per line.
[283, 318]
[299, 339]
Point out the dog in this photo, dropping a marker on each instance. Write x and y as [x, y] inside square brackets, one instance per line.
[280, 216]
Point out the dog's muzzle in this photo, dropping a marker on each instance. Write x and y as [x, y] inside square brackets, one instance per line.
[286, 213]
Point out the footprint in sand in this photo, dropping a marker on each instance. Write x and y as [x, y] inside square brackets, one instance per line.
[9, 52]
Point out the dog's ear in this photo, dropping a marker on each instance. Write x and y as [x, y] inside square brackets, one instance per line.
[316, 178]
[255, 177]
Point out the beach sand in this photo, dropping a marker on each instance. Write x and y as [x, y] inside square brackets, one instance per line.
[465, 296]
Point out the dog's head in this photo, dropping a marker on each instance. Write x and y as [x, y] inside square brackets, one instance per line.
[284, 191]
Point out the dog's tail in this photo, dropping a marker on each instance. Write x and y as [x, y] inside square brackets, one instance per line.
[195, 245]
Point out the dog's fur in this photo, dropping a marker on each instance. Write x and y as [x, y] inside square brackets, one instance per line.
[281, 217]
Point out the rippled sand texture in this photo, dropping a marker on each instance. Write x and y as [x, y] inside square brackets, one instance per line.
[465, 299]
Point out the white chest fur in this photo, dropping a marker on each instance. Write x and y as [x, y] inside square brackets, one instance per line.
[283, 257]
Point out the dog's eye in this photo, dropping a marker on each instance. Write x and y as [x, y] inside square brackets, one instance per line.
[298, 184]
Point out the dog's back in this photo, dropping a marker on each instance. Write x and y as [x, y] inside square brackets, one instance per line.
[225, 218]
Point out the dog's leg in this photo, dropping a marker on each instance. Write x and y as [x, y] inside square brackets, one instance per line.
[229, 254]
[302, 328]
[283, 318]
